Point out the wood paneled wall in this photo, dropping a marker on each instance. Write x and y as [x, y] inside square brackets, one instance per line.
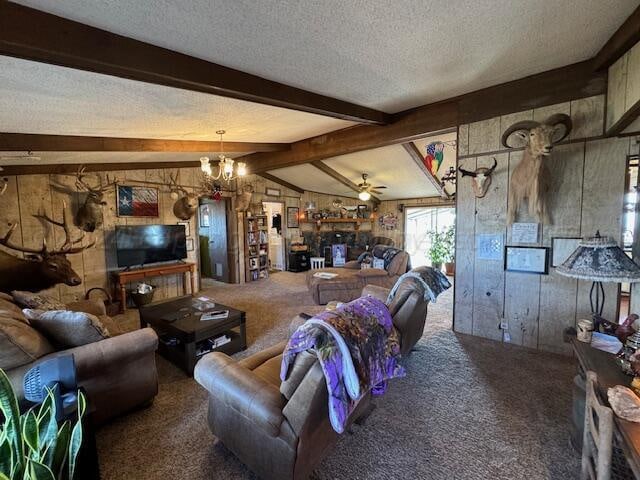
[588, 176]
[29, 194]
[623, 88]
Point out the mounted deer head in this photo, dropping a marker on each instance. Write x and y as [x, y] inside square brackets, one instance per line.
[43, 268]
[529, 179]
[480, 178]
[186, 203]
[89, 215]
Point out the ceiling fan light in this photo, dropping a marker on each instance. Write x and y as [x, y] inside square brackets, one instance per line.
[364, 196]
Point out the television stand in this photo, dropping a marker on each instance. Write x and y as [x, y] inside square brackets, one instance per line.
[125, 276]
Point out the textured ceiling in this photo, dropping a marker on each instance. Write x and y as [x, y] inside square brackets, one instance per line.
[390, 166]
[40, 98]
[382, 54]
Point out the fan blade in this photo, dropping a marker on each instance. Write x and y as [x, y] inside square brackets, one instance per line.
[380, 186]
[376, 192]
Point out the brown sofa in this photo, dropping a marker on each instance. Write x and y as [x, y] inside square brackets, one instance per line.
[281, 430]
[349, 281]
[117, 373]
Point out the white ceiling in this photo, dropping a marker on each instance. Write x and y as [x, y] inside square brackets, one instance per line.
[390, 166]
[308, 177]
[47, 99]
[382, 54]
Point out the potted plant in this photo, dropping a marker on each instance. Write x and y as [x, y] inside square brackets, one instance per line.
[442, 250]
[32, 445]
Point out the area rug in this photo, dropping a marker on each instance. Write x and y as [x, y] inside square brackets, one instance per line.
[468, 408]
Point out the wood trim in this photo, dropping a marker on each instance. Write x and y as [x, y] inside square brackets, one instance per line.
[416, 156]
[279, 181]
[72, 168]
[35, 35]
[625, 120]
[323, 167]
[10, 142]
[548, 88]
[620, 42]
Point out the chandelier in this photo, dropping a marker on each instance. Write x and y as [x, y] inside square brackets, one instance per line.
[225, 165]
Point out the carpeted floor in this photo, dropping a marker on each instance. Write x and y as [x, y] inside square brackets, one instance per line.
[468, 409]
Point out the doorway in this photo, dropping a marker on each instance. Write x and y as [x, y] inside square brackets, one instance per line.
[420, 225]
[213, 235]
[275, 214]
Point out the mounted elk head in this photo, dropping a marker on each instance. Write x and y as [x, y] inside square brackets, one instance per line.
[89, 215]
[480, 178]
[43, 268]
[529, 179]
[186, 203]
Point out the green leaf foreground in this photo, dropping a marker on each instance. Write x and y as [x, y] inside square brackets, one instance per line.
[32, 445]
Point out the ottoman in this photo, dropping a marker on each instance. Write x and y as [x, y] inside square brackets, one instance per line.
[346, 286]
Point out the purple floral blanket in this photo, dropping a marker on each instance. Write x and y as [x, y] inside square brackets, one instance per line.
[358, 349]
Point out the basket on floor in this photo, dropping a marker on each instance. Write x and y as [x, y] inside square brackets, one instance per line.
[141, 299]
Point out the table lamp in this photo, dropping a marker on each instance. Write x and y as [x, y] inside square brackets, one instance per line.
[599, 259]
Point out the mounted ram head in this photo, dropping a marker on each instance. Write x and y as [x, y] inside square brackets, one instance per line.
[529, 179]
[480, 178]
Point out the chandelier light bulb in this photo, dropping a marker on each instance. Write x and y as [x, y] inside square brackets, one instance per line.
[242, 169]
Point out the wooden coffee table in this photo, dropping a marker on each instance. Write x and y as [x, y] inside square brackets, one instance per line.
[185, 340]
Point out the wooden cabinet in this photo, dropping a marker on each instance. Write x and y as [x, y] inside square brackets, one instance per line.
[256, 247]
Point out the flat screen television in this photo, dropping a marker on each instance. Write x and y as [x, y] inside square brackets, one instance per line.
[143, 244]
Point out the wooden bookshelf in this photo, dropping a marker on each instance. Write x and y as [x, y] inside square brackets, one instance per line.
[256, 247]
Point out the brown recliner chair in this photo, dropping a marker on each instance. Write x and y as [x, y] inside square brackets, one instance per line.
[281, 430]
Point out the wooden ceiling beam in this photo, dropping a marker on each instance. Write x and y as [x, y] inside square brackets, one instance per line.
[279, 181]
[10, 142]
[620, 42]
[72, 168]
[548, 88]
[416, 156]
[340, 178]
[35, 35]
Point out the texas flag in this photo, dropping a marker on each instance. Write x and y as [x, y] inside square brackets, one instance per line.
[137, 201]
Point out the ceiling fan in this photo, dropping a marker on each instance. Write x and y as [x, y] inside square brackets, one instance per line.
[366, 189]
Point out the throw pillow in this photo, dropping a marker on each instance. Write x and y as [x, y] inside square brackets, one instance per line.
[38, 301]
[20, 344]
[66, 328]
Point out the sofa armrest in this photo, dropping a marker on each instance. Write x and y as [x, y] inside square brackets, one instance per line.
[99, 356]
[376, 291]
[94, 307]
[352, 264]
[372, 272]
[242, 390]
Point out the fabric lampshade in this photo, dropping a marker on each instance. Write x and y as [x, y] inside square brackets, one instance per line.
[600, 259]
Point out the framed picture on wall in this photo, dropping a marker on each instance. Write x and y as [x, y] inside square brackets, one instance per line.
[136, 201]
[293, 220]
[187, 228]
[527, 259]
[190, 245]
[205, 216]
[561, 248]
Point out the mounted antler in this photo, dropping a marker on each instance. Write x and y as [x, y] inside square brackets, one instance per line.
[68, 245]
[83, 185]
[481, 178]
